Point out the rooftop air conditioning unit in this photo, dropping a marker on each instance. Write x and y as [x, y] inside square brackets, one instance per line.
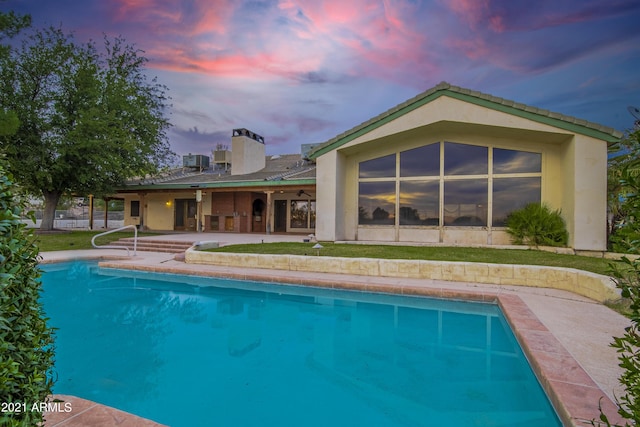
[222, 156]
[196, 161]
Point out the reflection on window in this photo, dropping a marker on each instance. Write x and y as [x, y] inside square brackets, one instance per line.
[421, 161]
[516, 181]
[377, 203]
[303, 214]
[512, 161]
[510, 194]
[312, 215]
[465, 202]
[419, 202]
[463, 159]
[382, 167]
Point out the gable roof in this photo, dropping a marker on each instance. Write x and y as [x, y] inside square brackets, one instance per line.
[558, 120]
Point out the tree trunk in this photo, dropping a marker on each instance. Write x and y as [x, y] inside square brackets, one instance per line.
[51, 199]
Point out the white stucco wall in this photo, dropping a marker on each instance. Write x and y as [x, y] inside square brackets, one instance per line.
[590, 204]
[326, 196]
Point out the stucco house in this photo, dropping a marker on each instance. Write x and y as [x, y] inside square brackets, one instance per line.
[448, 165]
[239, 190]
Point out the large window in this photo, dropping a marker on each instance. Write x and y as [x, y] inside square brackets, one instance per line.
[377, 203]
[382, 167]
[404, 188]
[419, 202]
[303, 214]
[510, 194]
[465, 202]
[421, 161]
[464, 159]
[512, 161]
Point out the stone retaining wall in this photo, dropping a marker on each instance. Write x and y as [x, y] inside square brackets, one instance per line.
[597, 287]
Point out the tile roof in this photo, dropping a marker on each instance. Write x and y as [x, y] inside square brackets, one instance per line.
[278, 168]
[469, 95]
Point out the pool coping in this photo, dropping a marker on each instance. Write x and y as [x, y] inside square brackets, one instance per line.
[572, 392]
[72, 411]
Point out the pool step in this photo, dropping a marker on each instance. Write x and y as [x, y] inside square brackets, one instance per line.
[153, 245]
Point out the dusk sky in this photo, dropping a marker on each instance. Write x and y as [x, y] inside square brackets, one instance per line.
[303, 71]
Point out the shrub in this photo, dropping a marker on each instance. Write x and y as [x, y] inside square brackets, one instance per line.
[624, 235]
[627, 278]
[26, 342]
[537, 225]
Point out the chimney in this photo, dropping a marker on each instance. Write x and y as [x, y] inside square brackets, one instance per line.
[247, 152]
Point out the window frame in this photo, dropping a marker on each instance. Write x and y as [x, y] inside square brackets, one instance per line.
[443, 178]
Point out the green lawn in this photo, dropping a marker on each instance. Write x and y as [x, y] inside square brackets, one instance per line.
[435, 253]
[63, 240]
[59, 241]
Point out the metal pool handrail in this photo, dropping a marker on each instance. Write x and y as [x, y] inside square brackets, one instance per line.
[135, 239]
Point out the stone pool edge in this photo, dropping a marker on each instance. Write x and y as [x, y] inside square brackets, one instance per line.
[83, 412]
[591, 285]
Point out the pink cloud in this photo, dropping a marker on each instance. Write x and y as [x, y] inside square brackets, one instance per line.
[475, 49]
[231, 65]
[230, 38]
[472, 11]
[161, 17]
[374, 36]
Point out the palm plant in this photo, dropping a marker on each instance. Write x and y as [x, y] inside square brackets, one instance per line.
[537, 225]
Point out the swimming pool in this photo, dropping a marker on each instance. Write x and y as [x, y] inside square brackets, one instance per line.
[190, 351]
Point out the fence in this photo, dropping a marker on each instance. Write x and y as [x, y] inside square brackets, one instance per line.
[75, 219]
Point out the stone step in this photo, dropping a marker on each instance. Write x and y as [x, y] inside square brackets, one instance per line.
[167, 246]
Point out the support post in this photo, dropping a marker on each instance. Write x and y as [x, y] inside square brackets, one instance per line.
[90, 211]
[267, 216]
[106, 214]
[198, 209]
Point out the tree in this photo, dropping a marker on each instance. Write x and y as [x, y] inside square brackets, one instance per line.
[10, 25]
[380, 214]
[409, 215]
[624, 194]
[88, 119]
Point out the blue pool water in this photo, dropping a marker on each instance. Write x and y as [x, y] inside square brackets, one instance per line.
[188, 351]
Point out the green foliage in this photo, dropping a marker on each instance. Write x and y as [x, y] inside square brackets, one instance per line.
[89, 119]
[9, 123]
[80, 239]
[623, 188]
[26, 342]
[625, 237]
[11, 24]
[537, 225]
[627, 278]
